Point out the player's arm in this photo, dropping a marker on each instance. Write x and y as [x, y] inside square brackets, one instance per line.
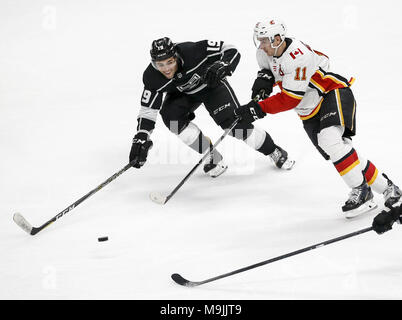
[151, 99]
[294, 84]
[222, 58]
[296, 77]
[230, 56]
[264, 83]
[151, 102]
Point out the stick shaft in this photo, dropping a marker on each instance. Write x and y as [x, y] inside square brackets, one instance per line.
[319, 245]
[227, 131]
[79, 201]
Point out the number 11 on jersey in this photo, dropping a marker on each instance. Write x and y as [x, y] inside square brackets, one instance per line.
[303, 71]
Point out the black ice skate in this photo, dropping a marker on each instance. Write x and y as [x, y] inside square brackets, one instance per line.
[360, 201]
[392, 194]
[281, 160]
[214, 164]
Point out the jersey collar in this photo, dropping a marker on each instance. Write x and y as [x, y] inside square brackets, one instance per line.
[288, 42]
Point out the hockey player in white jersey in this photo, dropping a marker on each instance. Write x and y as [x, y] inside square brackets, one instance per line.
[324, 102]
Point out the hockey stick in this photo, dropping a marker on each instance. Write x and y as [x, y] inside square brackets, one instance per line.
[161, 199]
[27, 227]
[184, 282]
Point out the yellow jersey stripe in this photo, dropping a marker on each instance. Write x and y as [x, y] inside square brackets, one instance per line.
[292, 95]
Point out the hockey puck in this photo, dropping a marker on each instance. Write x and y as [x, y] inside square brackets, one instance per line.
[101, 239]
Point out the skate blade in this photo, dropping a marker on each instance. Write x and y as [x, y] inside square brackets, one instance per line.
[216, 172]
[288, 165]
[364, 208]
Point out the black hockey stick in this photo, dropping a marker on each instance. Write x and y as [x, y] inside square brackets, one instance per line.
[26, 226]
[161, 199]
[184, 282]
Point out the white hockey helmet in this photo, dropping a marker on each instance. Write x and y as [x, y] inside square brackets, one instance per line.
[269, 29]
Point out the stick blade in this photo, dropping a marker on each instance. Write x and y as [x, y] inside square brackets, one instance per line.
[157, 198]
[22, 222]
[181, 281]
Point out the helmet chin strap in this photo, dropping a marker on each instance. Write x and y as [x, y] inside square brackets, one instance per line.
[277, 47]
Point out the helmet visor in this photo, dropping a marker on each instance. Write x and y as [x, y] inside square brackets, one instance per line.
[261, 42]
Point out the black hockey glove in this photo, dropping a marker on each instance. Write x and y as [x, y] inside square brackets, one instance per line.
[250, 112]
[215, 73]
[263, 85]
[385, 219]
[139, 149]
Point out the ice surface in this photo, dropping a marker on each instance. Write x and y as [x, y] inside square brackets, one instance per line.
[70, 86]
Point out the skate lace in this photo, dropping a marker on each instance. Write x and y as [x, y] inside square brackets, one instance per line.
[209, 158]
[388, 192]
[392, 191]
[276, 155]
[213, 157]
[354, 195]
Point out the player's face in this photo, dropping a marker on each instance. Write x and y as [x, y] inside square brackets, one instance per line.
[167, 67]
[267, 46]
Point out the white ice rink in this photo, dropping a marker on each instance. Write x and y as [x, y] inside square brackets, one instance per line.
[70, 87]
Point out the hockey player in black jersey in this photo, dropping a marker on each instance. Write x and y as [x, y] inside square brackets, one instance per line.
[191, 74]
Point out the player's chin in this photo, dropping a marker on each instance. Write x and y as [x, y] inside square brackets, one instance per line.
[169, 76]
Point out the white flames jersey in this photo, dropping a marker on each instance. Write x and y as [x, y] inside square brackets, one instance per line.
[293, 71]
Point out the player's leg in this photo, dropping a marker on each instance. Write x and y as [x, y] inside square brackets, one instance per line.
[312, 128]
[337, 125]
[347, 163]
[177, 112]
[220, 103]
[378, 181]
[337, 120]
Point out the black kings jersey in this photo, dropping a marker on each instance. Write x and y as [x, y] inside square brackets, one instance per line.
[193, 58]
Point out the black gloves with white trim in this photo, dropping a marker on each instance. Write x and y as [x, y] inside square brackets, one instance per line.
[249, 112]
[385, 219]
[263, 85]
[216, 72]
[262, 88]
[139, 149]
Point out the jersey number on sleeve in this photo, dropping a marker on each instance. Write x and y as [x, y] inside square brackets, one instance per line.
[146, 96]
[303, 71]
[213, 45]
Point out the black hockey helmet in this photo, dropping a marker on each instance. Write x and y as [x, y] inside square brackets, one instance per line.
[162, 49]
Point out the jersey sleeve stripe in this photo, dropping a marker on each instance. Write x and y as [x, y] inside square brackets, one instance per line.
[148, 113]
[321, 54]
[157, 94]
[235, 56]
[208, 56]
